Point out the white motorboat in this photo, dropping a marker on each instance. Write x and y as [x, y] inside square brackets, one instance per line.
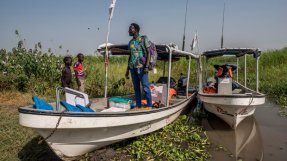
[72, 134]
[230, 100]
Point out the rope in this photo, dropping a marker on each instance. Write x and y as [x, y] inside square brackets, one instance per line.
[250, 101]
[54, 130]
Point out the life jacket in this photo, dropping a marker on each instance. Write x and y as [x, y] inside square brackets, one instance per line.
[230, 72]
[221, 70]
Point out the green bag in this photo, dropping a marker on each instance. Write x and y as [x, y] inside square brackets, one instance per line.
[120, 100]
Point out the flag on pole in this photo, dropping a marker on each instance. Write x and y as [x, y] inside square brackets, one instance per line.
[111, 12]
[111, 9]
[194, 41]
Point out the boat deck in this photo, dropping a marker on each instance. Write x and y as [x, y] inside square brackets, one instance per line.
[99, 104]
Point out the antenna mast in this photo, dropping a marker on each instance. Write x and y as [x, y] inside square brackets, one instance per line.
[183, 41]
[222, 27]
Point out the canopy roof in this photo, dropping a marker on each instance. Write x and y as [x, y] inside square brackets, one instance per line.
[162, 51]
[238, 52]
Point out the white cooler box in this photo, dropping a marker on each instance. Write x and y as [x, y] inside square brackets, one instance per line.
[224, 86]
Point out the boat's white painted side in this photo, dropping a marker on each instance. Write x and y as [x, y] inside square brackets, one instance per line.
[77, 135]
[232, 108]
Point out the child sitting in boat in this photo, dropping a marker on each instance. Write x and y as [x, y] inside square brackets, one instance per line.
[66, 78]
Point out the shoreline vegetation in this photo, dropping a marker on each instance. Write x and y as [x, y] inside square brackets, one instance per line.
[25, 73]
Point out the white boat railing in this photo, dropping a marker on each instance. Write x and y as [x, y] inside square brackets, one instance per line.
[179, 52]
[66, 90]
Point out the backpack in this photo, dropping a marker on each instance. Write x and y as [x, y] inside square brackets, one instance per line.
[153, 53]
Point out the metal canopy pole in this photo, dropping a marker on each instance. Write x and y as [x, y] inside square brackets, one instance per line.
[205, 71]
[237, 63]
[200, 68]
[257, 74]
[188, 75]
[169, 75]
[245, 74]
[164, 68]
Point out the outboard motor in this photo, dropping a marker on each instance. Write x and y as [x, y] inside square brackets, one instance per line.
[181, 85]
[164, 80]
[224, 78]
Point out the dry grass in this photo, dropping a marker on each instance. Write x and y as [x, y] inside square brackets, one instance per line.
[15, 99]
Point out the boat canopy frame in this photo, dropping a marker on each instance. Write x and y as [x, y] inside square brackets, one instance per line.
[237, 52]
[165, 53]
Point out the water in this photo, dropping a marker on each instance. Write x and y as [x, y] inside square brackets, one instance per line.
[262, 137]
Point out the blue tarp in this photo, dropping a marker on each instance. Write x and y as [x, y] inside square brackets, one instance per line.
[70, 107]
[85, 109]
[41, 105]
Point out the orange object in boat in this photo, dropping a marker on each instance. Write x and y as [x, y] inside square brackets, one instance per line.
[171, 93]
[144, 102]
[209, 89]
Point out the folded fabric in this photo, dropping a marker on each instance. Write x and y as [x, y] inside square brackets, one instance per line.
[70, 107]
[41, 105]
[85, 109]
[114, 109]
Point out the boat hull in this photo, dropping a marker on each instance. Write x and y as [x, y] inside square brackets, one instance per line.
[80, 133]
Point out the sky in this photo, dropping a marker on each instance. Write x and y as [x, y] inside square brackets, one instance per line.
[80, 26]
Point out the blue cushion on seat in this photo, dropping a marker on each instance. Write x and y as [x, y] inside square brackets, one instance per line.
[85, 109]
[70, 107]
[41, 105]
